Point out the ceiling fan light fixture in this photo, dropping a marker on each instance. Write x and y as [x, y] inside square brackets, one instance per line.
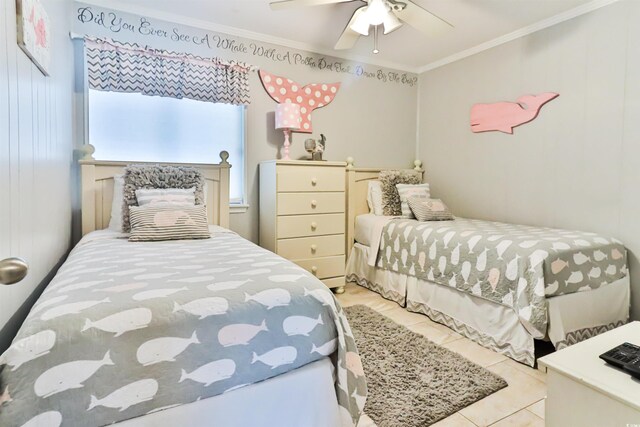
[391, 23]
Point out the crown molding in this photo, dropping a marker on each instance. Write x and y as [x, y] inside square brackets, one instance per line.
[524, 31]
[123, 6]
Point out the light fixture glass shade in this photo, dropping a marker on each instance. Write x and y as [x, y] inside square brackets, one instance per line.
[377, 11]
[361, 23]
[391, 23]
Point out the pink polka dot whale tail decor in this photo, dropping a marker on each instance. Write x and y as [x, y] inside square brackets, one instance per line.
[287, 118]
[309, 97]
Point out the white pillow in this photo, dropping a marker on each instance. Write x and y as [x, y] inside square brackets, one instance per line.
[374, 197]
[115, 223]
[166, 196]
[411, 190]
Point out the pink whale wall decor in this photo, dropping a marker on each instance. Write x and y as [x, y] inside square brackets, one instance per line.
[309, 97]
[504, 116]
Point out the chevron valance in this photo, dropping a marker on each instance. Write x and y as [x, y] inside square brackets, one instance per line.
[125, 67]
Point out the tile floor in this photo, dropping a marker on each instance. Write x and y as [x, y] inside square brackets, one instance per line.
[521, 404]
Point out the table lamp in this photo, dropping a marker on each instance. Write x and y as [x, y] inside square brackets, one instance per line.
[287, 118]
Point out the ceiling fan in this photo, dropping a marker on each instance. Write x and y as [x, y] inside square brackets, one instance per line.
[390, 14]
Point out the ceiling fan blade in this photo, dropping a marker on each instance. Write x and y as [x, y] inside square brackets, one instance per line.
[349, 37]
[422, 20]
[286, 4]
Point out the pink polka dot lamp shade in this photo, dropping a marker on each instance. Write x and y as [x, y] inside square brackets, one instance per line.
[288, 116]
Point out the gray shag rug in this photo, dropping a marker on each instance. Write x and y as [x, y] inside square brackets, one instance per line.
[413, 382]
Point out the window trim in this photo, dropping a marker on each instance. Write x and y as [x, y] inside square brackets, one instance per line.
[238, 208]
[243, 205]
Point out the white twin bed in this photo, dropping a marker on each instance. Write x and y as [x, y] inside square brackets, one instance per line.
[202, 332]
[382, 249]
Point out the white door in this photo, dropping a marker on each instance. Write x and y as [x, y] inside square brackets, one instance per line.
[5, 182]
[24, 128]
[9, 154]
[35, 160]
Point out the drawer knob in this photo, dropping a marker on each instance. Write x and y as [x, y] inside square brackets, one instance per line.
[314, 181]
[314, 248]
[314, 225]
[314, 203]
[314, 270]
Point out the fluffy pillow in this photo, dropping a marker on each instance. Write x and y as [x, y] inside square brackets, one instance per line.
[115, 223]
[171, 196]
[411, 190]
[158, 176]
[426, 209]
[390, 197]
[374, 197]
[168, 222]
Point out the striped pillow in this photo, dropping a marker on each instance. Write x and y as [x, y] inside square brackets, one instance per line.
[426, 209]
[411, 190]
[172, 196]
[168, 222]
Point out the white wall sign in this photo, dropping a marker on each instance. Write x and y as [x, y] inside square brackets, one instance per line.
[120, 25]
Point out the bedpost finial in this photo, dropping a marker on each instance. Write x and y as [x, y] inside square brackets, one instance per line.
[350, 162]
[224, 155]
[86, 152]
[417, 165]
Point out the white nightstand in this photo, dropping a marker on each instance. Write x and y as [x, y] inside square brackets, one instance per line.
[583, 391]
[302, 215]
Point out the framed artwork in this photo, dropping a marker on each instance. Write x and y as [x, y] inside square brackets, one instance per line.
[33, 33]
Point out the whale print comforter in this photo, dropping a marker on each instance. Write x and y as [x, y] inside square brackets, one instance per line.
[514, 265]
[125, 329]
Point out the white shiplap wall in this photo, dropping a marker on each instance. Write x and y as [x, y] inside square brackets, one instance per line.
[35, 159]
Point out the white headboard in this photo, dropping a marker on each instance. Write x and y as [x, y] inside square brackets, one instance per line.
[97, 189]
[357, 189]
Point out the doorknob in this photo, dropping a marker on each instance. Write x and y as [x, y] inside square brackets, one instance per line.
[12, 270]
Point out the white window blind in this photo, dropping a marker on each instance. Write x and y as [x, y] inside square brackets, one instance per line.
[135, 127]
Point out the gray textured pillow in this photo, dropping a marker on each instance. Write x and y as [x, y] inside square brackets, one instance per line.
[158, 176]
[151, 223]
[426, 209]
[390, 198]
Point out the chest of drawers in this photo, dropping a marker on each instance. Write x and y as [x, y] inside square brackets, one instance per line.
[302, 215]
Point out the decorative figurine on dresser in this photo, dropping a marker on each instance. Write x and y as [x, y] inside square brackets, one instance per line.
[316, 148]
[302, 215]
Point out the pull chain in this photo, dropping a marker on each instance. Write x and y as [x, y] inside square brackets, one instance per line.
[375, 39]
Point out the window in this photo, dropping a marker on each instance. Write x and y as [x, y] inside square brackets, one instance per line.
[135, 127]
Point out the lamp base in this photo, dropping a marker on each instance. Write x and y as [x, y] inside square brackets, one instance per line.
[287, 144]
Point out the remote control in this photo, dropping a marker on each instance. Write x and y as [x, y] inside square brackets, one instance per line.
[622, 355]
